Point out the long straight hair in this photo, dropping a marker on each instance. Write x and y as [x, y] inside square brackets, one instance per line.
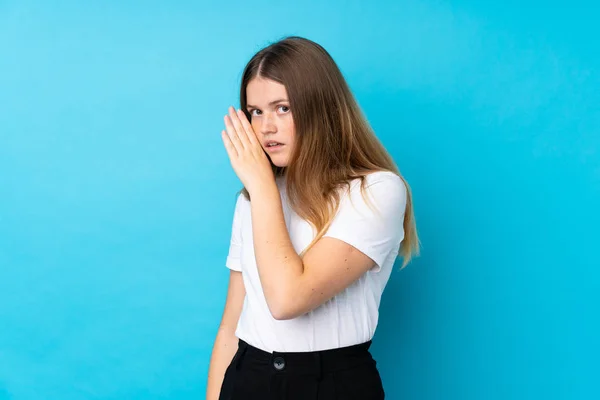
[334, 143]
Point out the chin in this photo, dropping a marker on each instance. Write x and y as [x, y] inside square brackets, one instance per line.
[279, 164]
[279, 161]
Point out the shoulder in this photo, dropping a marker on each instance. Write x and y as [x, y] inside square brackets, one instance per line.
[383, 195]
[388, 178]
[371, 214]
[382, 186]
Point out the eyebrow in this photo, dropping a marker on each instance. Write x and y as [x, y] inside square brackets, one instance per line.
[271, 103]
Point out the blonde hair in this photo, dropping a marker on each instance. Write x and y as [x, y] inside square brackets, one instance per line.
[334, 143]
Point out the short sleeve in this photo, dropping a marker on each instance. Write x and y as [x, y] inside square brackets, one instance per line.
[234, 261]
[374, 227]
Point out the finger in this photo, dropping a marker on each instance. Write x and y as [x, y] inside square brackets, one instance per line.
[229, 147]
[241, 131]
[233, 135]
[248, 128]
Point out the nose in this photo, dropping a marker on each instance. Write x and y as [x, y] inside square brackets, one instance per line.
[268, 124]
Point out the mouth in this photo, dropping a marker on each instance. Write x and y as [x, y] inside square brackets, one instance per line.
[273, 146]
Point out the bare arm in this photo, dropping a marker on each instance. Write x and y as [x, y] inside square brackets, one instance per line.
[226, 342]
[294, 286]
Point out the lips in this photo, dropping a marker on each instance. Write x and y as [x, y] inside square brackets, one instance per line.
[272, 146]
[271, 143]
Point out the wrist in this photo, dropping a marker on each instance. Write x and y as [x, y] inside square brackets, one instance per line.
[264, 189]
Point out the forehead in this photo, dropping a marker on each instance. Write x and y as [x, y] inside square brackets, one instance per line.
[261, 90]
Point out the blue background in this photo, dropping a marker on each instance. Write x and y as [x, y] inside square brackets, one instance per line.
[116, 195]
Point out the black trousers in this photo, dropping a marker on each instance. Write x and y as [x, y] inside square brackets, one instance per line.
[346, 373]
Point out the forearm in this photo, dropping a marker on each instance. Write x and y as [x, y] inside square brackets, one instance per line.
[223, 351]
[279, 266]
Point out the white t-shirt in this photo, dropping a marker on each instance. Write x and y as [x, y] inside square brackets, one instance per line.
[351, 316]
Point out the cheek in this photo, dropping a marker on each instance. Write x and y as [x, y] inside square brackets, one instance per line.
[289, 128]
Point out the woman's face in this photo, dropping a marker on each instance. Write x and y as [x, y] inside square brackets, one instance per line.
[271, 118]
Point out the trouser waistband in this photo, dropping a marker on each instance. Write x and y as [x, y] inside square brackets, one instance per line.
[314, 362]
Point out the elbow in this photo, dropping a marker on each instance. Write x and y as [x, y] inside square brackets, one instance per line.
[287, 302]
[281, 315]
[283, 309]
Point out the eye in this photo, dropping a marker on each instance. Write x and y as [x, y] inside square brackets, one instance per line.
[286, 108]
[252, 110]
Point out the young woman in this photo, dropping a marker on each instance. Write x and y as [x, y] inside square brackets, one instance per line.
[317, 227]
